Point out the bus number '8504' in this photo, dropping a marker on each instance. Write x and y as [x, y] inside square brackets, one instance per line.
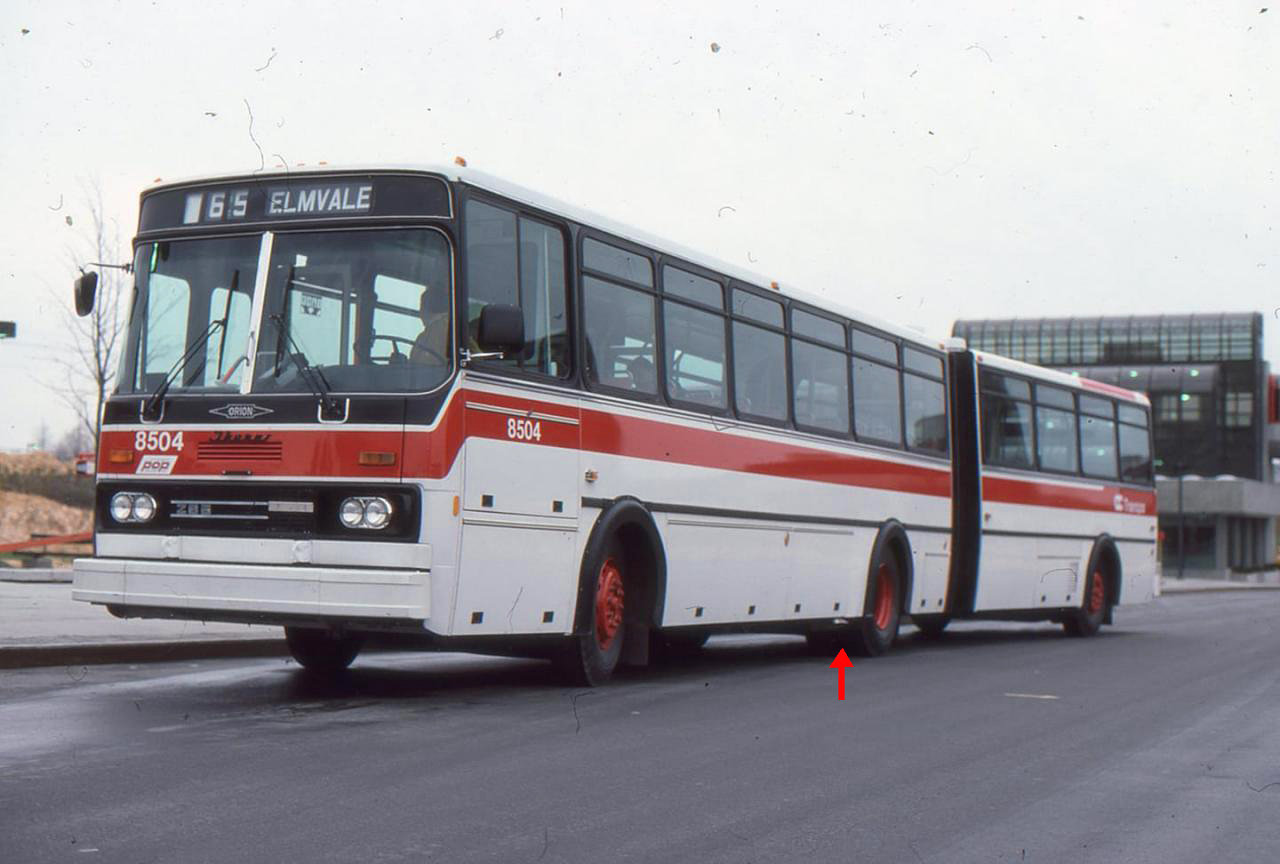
[524, 430]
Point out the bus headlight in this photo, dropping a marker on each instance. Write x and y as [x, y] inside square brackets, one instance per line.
[377, 513]
[144, 508]
[132, 507]
[373, 513]
[122, 507]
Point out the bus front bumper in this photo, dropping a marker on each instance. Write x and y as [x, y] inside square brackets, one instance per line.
[258, 589]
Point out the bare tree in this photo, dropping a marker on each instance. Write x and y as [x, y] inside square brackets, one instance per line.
[97, 339]
[72, 443]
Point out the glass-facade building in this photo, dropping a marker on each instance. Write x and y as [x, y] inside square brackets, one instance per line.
[1207, 381]
[1204, 374]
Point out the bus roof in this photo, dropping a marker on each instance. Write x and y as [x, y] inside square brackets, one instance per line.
[1054, 376]
[491, 183]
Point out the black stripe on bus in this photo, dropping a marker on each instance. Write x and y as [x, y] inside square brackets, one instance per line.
[687, 510]
[987, 533]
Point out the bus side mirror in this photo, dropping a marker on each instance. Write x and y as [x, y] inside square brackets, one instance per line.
[501, 328]
[86, 288]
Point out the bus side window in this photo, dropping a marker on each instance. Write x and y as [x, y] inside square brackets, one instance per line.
[1006, 422]
[877, 403]
[820, 383]
[926, 401]
[759, 372]
[695, 347]
[620, 336]
[519, 261]
[1135, 445]
[1097, 437]
[1057, 445]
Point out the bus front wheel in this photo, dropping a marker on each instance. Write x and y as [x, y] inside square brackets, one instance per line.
[320, 651]
[590, 656]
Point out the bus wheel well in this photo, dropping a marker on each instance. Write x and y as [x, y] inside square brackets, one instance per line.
[628, 526]
[1107, 559]
[899, 548]
[892, 540]
[1110, 561]
[641, 567]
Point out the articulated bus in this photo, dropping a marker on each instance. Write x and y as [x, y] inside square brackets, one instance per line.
[430, 407]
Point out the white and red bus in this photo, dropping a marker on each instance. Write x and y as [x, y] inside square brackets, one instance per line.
[429, 405]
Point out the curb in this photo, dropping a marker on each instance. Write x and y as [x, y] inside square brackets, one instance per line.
[36, 575]
[1223, 589]
[102, 653]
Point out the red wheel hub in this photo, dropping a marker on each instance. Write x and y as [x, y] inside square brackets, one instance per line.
[884, 597]
[1097, 594]
[609, 604]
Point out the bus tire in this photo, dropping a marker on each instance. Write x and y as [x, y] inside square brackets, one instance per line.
[1087, 620]
[879, 627]
[930, 626]
[589, 658]
[321, 652]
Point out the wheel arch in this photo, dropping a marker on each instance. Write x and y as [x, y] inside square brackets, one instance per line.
[644, 577]
[891, 539]
[1106, 556]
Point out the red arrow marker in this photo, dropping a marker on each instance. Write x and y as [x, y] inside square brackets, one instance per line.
[842, 662]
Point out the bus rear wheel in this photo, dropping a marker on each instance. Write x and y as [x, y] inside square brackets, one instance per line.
[876, 632]
[320, 651]
[1087, 620]
[591, 656]
[880, 628]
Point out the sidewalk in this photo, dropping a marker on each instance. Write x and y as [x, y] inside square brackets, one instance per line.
[40, 625]
[1174, 585]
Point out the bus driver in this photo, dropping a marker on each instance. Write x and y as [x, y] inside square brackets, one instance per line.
[432, 345]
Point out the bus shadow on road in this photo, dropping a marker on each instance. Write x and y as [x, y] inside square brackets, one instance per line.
[427, 676]
[979, 634]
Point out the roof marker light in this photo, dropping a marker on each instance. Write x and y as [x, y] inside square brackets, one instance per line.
[459, 161]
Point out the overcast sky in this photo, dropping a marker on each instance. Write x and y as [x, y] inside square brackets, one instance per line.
[920, 161]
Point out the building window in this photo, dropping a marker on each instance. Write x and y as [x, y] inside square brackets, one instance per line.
[1165, 407]
[1239, 410]
[1192, 405]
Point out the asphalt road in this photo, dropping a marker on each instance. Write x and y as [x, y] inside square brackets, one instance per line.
[1157, 741]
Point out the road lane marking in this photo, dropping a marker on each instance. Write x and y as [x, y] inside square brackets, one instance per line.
[1030, 696]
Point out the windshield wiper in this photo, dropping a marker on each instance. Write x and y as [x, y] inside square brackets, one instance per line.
[318, 384]
[151, 409]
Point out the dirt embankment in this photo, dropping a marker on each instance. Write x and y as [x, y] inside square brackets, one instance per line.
[23, 513]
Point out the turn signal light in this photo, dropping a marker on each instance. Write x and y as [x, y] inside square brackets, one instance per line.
[120, 456]
[377, 457]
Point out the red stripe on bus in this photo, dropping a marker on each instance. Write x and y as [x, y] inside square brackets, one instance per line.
[603, 432]
[1006, 490]
[322, 453]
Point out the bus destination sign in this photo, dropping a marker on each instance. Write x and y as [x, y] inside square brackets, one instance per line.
[310, 198]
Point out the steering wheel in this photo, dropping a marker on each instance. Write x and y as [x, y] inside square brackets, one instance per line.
[395, 341]
[234, 366]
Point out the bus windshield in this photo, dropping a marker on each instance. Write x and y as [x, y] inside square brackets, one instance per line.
[371, 310]
[184, 290]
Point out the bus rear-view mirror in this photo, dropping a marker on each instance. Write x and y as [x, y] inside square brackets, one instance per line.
[501, 328]
[86, 290]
